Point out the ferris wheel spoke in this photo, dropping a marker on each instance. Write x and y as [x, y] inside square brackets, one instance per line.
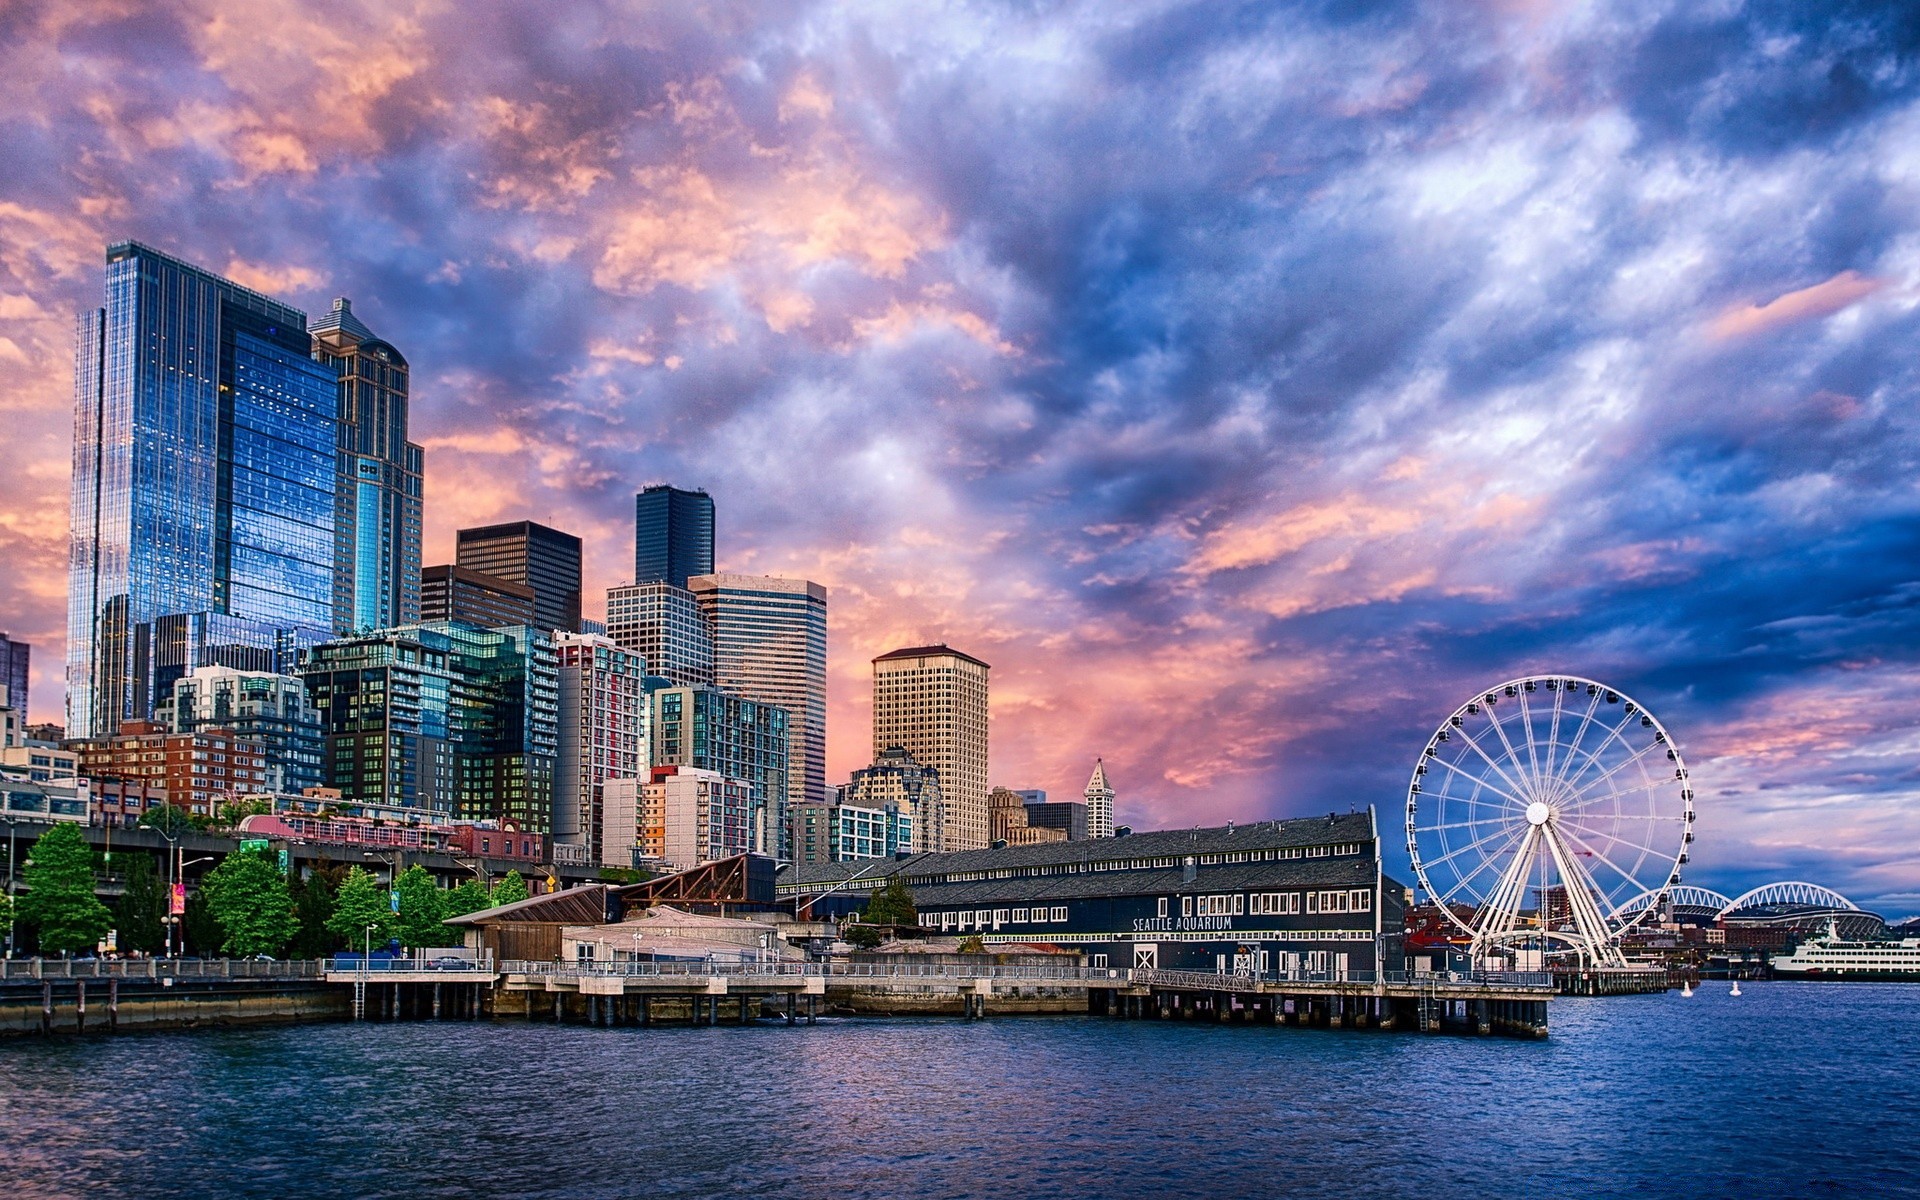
[1478, 780]
[1495, 819]
[1501, 912]
[1601, 855]
[1579, 735]
[1553, 730]
[1581, 889]
[1533, 743]
[1582, 805]
[1513, 756]
[1596, 833]
[1498, 770]
[1573, 781]
[1473, 845]
[1487, 861]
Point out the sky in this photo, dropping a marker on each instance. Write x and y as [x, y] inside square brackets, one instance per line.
[1249, 384]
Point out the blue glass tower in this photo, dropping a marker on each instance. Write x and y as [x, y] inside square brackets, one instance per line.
[672, 534]
[203, 477]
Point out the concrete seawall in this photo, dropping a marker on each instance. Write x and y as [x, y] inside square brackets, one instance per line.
[102, 1006]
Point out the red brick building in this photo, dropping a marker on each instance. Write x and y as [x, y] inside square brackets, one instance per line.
[198, 770]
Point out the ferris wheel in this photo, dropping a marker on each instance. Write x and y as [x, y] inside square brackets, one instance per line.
[1542, 809]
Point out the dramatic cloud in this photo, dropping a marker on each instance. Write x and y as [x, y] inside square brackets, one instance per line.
[1249, 383]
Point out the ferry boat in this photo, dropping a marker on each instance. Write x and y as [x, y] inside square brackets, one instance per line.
[1826, 956]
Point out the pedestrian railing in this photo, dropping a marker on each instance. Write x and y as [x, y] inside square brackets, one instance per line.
[13, 969]
[701, 969]
[341, 963]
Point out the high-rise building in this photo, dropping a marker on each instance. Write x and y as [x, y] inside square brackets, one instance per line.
[1007, 821]
[689, 816]
[604, 735]
[770, 645]
[840, 832]
[525, 552]
[895, 780]
[1099, 802]
[507, 710]
[662, 624]
[712, 730]
[270, 710]
[932, 702]
[1068, 816]
[377, 492]
[15, 657]
[672, 535]
[450, 593]
[204, 450]
[199, 771]
[386, 707]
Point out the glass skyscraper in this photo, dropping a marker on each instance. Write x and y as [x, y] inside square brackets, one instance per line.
[672, 535]
[526, 552]
[377, 517]
[203, 474]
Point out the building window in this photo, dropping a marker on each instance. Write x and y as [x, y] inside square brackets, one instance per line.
[1059, 914]
[1186, 906]
[1161, 905]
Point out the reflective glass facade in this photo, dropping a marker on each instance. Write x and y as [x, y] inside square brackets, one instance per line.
[524, 552]
[672, 535]
[202, 474]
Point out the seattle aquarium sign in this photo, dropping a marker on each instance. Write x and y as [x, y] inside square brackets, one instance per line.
[1181, 924]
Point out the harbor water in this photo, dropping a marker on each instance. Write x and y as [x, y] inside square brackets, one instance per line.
[1787, 1090]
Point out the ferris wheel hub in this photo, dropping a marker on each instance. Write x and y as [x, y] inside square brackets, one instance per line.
[1537, 813]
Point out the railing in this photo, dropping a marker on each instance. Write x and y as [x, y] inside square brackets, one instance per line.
[692, 969]
[15, 969]
[1249, 982]
[344, 963]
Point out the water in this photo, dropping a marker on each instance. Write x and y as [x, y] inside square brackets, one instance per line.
[1789, 1090]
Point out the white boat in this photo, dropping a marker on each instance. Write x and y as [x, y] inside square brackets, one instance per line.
[1736, 988]
[1686, 987]
[1827, 956]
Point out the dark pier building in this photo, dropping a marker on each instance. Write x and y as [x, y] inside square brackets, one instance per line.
[1305, 894]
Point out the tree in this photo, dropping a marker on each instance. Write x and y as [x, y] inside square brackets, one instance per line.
[200, 931]
[312, 909]
[468, 897]
[60, 900]
[423, 908]
[862, 937]
[232, 812]
[141, 914]
[172, 820]
[248, 895]
[975, 944]
[361, 902]
[892, 904]
[510, 890]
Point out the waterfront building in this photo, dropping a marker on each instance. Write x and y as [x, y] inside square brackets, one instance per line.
[39, 763]
[15, 659]
[604, 734]
[525, 552]
[203, 475]
[198, 770]
[770, 645]
[932, 700]
[690, 816]
[704, 728]
[662, 623]
[507, 721]
[844, 832]
[895, 780]
[672, 535]
[271, 710]
[1067, 816]
[386, 706]
[455, 593]
[1304, 894]
[377, 517]
[1099, 796]
[1007, 817]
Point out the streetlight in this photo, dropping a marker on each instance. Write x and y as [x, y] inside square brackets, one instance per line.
[180, 878]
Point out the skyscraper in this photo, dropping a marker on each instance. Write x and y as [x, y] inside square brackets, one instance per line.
[932, 701]
[203, 474]
[895, 780]
[14, 661]
[662, 624]
[450, 593]
[387, 710]
[604, 735]
[770, 645]
[672, 534]
[1099, 803]
[712, 730]
[270, 710]
[546, 560]
[377, 495]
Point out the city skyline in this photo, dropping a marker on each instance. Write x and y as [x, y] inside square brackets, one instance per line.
[1524, 344]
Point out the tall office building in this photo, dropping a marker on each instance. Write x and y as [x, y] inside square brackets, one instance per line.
[672, 535]
[387, 714]
[270, 710]
[204, 447]
[1099, 802]
[932, 702]
[450, 593]
[662, 624]
[604, 735]
[507, 701]
[688, 816]
[377, 493]
[896, 781]
[770, 645]
[525, 552]
[15, 659]
[712, 730]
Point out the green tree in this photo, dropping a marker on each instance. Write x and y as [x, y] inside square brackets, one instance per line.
[862, 937]
[892, 904]
[510, 890]
[60, 902]
[361, 902]
[468, 897]
[423, 906]
[172, 820]
[974, 944]
[140, 916]
[232, 812]
[312, 909]
[248, 896]
[200, 931]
